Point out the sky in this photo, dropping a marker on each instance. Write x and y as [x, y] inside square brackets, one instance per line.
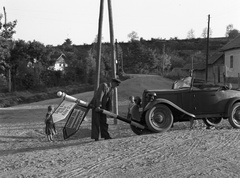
[51, 22]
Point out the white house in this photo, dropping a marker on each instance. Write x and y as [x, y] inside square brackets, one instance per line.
[232, 57]
[60, 64]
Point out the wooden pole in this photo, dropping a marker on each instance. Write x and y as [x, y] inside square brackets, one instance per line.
[99, 46]
[117, 58]
[9, 68]
[113, 52]
[207, 48]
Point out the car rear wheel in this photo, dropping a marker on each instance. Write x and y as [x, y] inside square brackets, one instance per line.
[139, 131]
[159, 118]
[212, 121]
[234, 118]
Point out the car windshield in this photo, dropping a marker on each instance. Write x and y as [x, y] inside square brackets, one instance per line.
[182, 83]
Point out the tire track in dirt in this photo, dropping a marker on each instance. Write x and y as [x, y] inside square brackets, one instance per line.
[169, 156]
[113, 160]
[201, 163]
[102, 168]
[223, 145]
[139, 152]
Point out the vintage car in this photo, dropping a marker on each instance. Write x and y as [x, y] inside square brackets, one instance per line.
[157, 110]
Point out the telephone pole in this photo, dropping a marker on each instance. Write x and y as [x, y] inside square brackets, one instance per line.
[207, 55]
[99, 46]
[113, 52]
[9, 67]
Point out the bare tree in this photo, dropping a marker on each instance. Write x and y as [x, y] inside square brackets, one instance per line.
[204, 33]
[228, 29]
[190, 34]
[133, 36]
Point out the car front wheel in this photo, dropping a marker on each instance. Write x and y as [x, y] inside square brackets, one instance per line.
[159, 118]
[234, 118]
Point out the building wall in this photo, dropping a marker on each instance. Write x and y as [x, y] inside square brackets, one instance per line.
[232, 72]
[216, 71]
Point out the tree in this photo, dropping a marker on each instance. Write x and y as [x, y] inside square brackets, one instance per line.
[231, 32]
[176, 61]
[140, 58]
[204, 33]
[133, 36]
[18, 61]
[90, 66]
[228, 29]
[190, 34]
[6, 33]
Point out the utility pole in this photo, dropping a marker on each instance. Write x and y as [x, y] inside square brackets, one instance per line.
[117, 58]
[98, 60]
[113, 52]
[9, 67]
[207, 55]
[163, 62]
[99, 46]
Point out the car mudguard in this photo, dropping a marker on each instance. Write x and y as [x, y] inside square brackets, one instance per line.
[164, 101]
[229, 105]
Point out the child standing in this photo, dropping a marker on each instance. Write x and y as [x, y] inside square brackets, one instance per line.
[130, 105]
[50, 126]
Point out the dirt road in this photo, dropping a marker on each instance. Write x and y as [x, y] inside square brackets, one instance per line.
[179, 152]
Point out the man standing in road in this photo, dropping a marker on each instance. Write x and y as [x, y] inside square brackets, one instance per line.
[102, 100]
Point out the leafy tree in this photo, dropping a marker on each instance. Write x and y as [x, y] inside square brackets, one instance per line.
[19, 60]
[67, 45]
[140, 59]
[6, 33]
[176, 61]
[90, 66]
[38, 56]
[231, 32]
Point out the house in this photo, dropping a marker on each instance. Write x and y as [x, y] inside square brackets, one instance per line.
[224, 64]
[232, 58]
[215, 68]
[60, 64]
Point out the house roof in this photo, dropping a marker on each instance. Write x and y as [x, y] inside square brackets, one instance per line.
[201, 66]
[213, 58]
[233, 44]
[61, 59]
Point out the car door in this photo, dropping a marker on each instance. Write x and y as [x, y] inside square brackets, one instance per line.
[209, 101]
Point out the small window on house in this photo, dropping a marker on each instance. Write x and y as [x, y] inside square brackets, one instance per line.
[231, 61]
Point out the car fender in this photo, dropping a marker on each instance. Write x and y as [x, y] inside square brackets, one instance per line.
[230, 103]
[164, 101]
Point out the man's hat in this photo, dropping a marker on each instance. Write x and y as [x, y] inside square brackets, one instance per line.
[116, 80]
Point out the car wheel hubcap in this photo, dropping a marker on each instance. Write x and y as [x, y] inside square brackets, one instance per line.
[159, 118]
[237, 115]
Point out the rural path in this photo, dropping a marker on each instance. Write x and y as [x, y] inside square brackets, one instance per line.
[180, 152]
